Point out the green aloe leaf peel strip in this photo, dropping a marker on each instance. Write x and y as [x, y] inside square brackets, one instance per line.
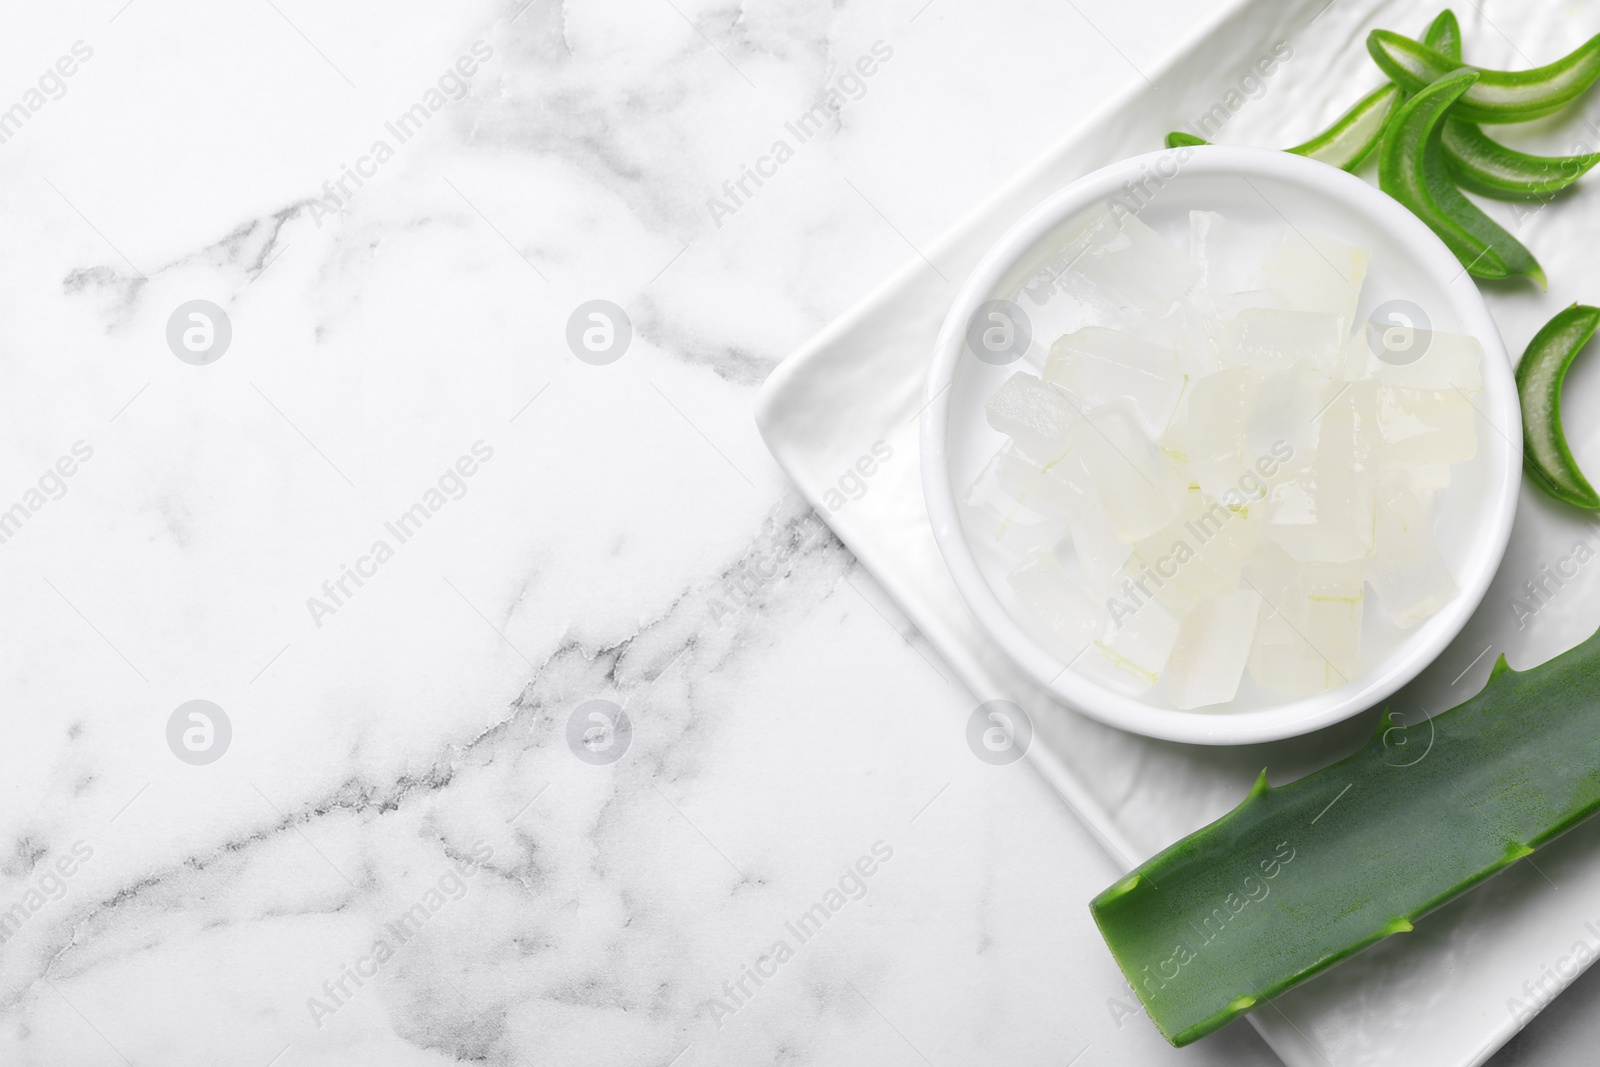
[1436, 159]
[1539, 377]
[1499, 95]
[1412, 170]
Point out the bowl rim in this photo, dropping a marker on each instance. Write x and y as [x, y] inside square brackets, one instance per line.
[1302, 715]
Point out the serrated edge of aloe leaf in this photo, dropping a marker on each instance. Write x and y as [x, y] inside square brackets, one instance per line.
[1540, 375]
[1475, 720]
[1467, 149]
[1413, 66]
[1401, 175]
[1355, 134]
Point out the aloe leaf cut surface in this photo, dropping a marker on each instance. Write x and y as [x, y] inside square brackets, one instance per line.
[1412, 169]
[1483, 165]
[1354, 135]
[1539, 378]
[1301, 876]
[1499, 95]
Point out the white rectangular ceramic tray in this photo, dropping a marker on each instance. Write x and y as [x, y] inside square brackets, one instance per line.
[1449, 993]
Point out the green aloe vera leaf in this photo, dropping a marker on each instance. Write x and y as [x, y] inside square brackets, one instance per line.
[1345, 144]
[1444, 36]
[1411, 169]
[1539, 376]
[1499, 95]
[1301, 876]
[1483, 165]
[1356, 133]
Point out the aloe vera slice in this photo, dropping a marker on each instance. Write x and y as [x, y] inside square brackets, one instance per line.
[1482, 165]
[1301, 876]
[1345, 144]
[1356, 133]
[1539, 376]
[1411, 168]
[1444, 36]
[1499, 95]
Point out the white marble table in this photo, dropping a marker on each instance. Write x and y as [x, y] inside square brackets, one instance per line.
[399, 536]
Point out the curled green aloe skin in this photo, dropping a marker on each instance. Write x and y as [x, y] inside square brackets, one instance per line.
[1444, 36]
[1301, 876]
[1498, 95]
[1356, 134]
[1539, 376]
[1347, 143]
[1412, 169]
[1482, 165]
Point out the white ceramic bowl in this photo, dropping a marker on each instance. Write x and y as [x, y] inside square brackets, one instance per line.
[1472, 517]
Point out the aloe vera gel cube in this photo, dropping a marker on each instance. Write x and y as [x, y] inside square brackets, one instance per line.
[1212, 648]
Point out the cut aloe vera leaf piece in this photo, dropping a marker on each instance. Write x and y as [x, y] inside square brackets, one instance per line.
[1357, 133]
[1444, 35]
[1482, 165]
[1498, 95]
[1539, 376]
[1347, 143]
[1353, 136]
[1411, 169]
[1301, 876]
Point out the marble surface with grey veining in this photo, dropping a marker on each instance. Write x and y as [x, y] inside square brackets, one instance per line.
[389, 679]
